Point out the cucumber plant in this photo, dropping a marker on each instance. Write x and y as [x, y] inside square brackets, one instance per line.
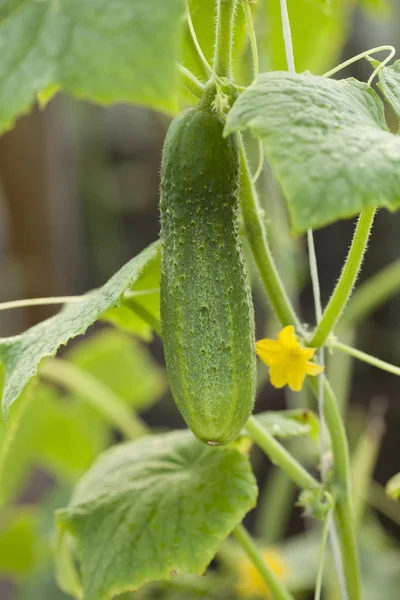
[154, 511]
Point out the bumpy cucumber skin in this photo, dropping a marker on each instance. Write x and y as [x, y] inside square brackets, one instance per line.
[207, 313]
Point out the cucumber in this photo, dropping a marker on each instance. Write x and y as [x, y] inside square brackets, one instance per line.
[207, 313]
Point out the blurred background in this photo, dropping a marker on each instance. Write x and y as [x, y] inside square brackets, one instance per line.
[78, 198]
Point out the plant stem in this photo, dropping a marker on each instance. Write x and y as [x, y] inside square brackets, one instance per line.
[199, 51]
[275, 586]
[325, 531]
[191, 83]
[252, 36]
[258, 241]
[371, 360]
[343, 513]
[224, 38]
[39, 302]
[347, 279]
[287, 37]
[101, 397]
[279, 456]
[371, 294]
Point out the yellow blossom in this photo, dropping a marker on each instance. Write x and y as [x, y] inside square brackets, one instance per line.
[288, 361]
[250, 582]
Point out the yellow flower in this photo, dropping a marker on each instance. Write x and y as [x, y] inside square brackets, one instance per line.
[288, 361]
[250, 583]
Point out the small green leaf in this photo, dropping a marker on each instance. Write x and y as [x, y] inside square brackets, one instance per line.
[22, 354]
[389, 84]
[120, 51]
[290, 423]
[327, 141]
[393, 487]
[155, 508]
[123, 365]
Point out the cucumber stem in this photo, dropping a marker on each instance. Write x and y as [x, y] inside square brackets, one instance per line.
[258, 241]
[224, 38]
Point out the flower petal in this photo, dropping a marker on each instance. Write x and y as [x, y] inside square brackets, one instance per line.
[270, 351]
[278, 375]
[308, 353]
[313, 369]
[288, 339]
[296, 378]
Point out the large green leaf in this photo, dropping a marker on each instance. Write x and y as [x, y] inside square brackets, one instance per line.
[22, 354]
[123, 365]
[102, 51]
[155, 508]
[327, 141]
[389, 83]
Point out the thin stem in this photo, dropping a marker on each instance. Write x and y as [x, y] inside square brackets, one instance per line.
[287, 37]
[321, 562]
[364, 54]
[343, 514]
[275, 586]
[318, 315]
[347, 279]
[260, 165]
[191, 83]
[371, 294]
[39, 302]
[64, 373]
[224, 38]
[371, 360]
[252, 36]
[199, 51]
[258, 241]
[279, 456]
[337, 559]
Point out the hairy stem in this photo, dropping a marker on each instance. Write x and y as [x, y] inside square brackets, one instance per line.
[191, 83]
[276, 588]
[224, 38]
[347, 279]
[280, 456]
[256, 235]
[343, 513]
[101, 397]
[371, 360]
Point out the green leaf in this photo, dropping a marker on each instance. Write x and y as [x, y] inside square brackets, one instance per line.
[318, 32]
[144, 296]
[123, 365]
[393, 487]
[120, 51]
[155, 508]
[389, 84]
[22, 354]
[328, 143]
[290, 423]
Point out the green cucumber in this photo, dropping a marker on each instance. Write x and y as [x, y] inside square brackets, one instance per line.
[207, 313]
